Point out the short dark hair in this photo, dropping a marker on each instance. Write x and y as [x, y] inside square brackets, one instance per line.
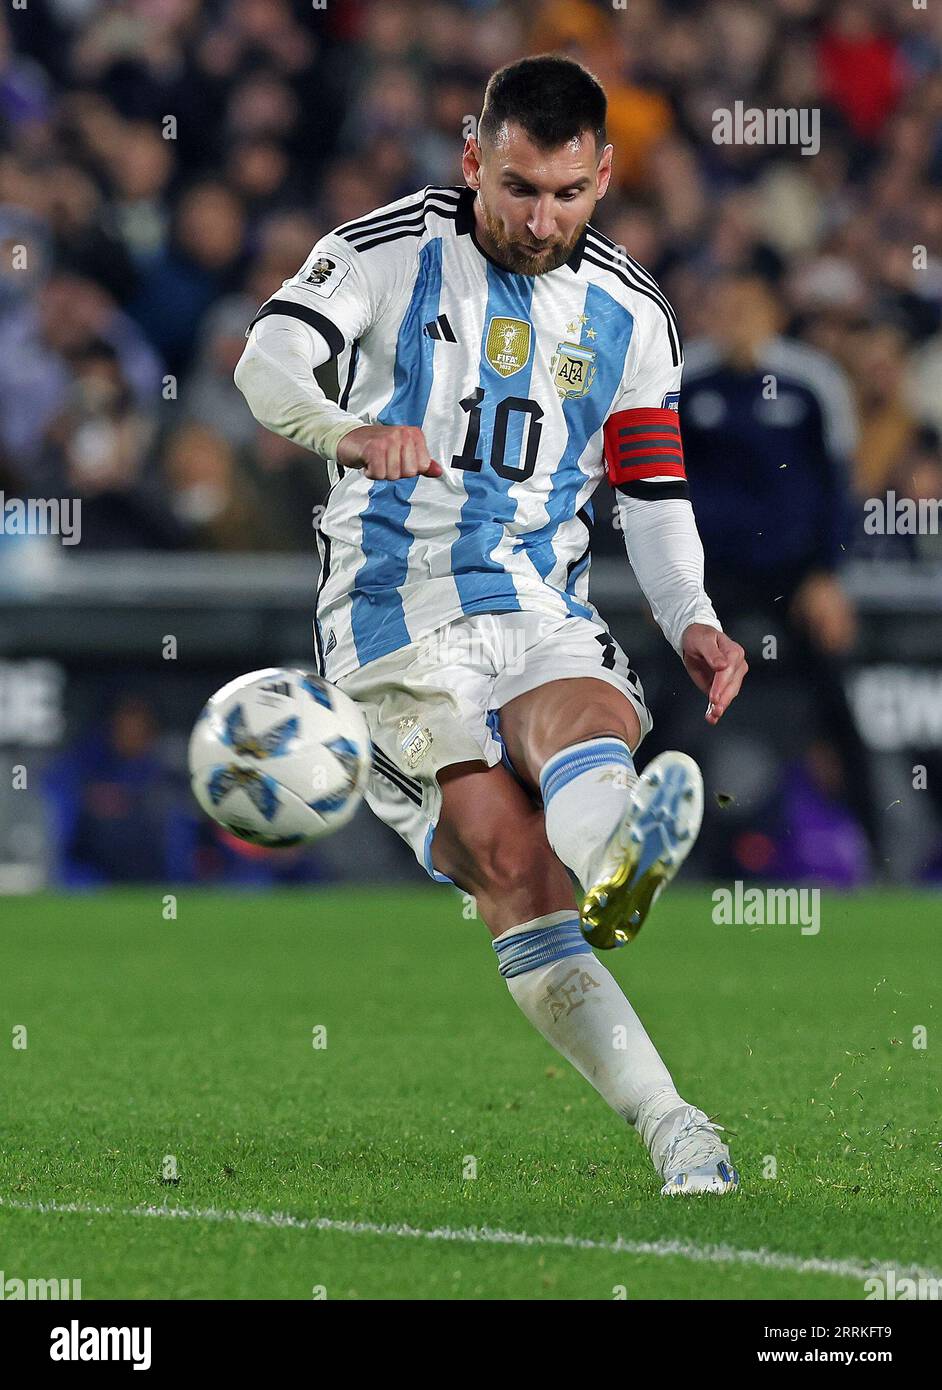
[554, 99]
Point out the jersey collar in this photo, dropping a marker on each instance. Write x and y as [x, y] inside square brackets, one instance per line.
[465, 226]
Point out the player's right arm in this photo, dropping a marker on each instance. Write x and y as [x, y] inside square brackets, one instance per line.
[330, 303]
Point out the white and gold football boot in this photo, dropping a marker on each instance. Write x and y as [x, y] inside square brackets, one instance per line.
[646, 850]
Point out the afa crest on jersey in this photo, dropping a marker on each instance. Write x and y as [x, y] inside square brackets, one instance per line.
[507, 345]
[573, 368]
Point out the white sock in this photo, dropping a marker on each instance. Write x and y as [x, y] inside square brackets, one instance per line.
[586, 789]
[569, 996]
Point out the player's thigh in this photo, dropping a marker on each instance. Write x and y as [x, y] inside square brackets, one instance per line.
[540, 722]
[435, 779]
[490, 839]
[574, 682]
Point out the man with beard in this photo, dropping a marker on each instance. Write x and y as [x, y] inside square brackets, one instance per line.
[498, 359]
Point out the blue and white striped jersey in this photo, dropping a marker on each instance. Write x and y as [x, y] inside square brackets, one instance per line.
[511, 379]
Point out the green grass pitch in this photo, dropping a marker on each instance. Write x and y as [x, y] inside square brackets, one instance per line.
[193, 1038]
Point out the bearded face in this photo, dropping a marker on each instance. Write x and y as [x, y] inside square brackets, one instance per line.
[533, 204]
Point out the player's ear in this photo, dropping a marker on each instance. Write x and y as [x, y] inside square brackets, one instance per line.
[471, 162]
[603, 170]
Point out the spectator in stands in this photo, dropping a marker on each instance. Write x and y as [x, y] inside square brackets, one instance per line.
[122, 814]
[210, 395]
[209, 495]
[86, 241]
[877, 359]
[287, 122]
[97, 449]
[179, 285]
[149, 243]
[38, 342]
[770, 435]
[770, 430]
[110, 802]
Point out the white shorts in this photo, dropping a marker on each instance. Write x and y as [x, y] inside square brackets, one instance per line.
[437, 702]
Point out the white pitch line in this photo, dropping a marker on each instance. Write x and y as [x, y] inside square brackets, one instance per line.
[487, 1235]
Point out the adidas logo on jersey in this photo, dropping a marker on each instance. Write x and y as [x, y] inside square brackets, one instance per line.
[440, 329]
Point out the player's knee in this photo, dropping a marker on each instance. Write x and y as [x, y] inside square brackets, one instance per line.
[504, 858]
[594, 719]
[514, 868]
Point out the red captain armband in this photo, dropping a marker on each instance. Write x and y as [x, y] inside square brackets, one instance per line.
[643, 444]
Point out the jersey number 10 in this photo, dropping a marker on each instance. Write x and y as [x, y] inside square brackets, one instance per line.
[468, 459]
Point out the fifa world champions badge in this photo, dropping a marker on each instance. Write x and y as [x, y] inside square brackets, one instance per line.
[507, 346]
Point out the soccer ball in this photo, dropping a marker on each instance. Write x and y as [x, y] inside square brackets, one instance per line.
[280, 757]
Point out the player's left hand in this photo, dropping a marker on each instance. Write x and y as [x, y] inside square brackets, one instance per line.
[716, 664]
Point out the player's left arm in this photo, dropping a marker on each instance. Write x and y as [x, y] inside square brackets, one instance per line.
[645, 463]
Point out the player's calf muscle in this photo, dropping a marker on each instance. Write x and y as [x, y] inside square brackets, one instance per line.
[507, 857]
[491, 842]
[536, 888]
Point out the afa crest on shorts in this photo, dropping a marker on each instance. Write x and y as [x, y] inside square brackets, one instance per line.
[507, 345]
[573, 367]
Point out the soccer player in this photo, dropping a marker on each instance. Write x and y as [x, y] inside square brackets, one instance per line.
[498, 358]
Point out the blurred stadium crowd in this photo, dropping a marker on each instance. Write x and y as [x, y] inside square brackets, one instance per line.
[167, 164]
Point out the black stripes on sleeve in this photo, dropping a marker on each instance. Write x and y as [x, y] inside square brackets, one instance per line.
[408, 221]
[654, 492]
[328, 331]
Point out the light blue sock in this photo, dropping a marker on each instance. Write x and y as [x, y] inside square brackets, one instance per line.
[540, 942]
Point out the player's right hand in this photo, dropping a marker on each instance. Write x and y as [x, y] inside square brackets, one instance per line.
[388, 452]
